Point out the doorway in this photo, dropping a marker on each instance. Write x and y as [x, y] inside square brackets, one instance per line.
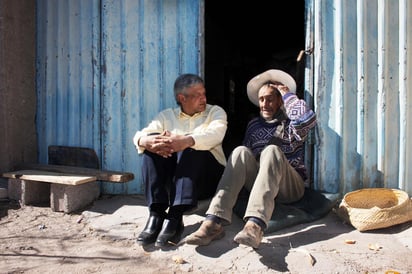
[243, 39]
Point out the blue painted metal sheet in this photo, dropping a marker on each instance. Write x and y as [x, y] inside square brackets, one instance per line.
[105, 68]
[145, 46]
[68, 74]
[362, 93]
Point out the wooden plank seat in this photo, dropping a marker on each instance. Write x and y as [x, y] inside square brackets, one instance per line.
[101, 175]
[66, 188]
[50, 177]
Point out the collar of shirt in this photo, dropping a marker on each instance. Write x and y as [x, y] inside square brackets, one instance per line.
[186, 116]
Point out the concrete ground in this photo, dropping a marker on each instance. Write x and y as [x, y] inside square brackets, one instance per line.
[327, 245]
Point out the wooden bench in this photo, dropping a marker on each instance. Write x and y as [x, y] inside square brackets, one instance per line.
[66, 188]
[101, 175]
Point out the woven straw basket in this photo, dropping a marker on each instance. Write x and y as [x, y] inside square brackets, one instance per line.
[373, 208]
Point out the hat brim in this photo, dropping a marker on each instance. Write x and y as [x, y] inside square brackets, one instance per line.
[272, 75]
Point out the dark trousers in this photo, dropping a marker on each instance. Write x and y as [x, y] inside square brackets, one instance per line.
[184, 181]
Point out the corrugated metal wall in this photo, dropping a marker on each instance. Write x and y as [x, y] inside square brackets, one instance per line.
[362, 88]
[68, 74]
[105, 68]
[146, 45]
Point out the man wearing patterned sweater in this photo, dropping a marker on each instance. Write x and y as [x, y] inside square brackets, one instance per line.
[269, 163]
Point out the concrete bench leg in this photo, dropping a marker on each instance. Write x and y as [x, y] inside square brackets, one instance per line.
[69, 198]
[29, 192]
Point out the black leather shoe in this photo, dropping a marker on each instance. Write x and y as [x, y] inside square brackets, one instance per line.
[150, 231]
[171, 233]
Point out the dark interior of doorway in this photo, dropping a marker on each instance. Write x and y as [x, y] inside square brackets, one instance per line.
[243, 39]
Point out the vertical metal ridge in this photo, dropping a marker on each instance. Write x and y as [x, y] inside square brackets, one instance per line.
[381, 107]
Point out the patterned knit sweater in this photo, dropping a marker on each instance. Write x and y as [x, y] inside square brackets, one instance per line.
[290, 127]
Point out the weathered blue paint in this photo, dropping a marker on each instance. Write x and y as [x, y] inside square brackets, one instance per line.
[68, 78]
[145, 46]
[362, 93]
[105, 68]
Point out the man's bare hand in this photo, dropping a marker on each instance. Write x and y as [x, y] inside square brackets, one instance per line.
[166, 143]
[159, 144]
[181, 142]
[282, 89]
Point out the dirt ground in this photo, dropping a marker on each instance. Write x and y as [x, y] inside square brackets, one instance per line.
[101, 239]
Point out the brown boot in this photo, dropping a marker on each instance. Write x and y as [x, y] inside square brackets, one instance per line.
[206, 233]
[251, 235]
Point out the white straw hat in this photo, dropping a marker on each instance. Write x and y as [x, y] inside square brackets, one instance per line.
[272, 75]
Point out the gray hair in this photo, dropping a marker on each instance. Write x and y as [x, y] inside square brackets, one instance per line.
[184, 81]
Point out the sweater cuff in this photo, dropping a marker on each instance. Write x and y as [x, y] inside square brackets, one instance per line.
[287, 95]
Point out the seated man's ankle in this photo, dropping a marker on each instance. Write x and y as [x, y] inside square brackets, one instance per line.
[214, 218]
[258, 221]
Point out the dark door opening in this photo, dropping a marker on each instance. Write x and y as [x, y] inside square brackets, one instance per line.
[243, 39]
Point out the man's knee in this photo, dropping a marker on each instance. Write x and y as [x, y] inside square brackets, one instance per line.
[241, 151]
[272, 150]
